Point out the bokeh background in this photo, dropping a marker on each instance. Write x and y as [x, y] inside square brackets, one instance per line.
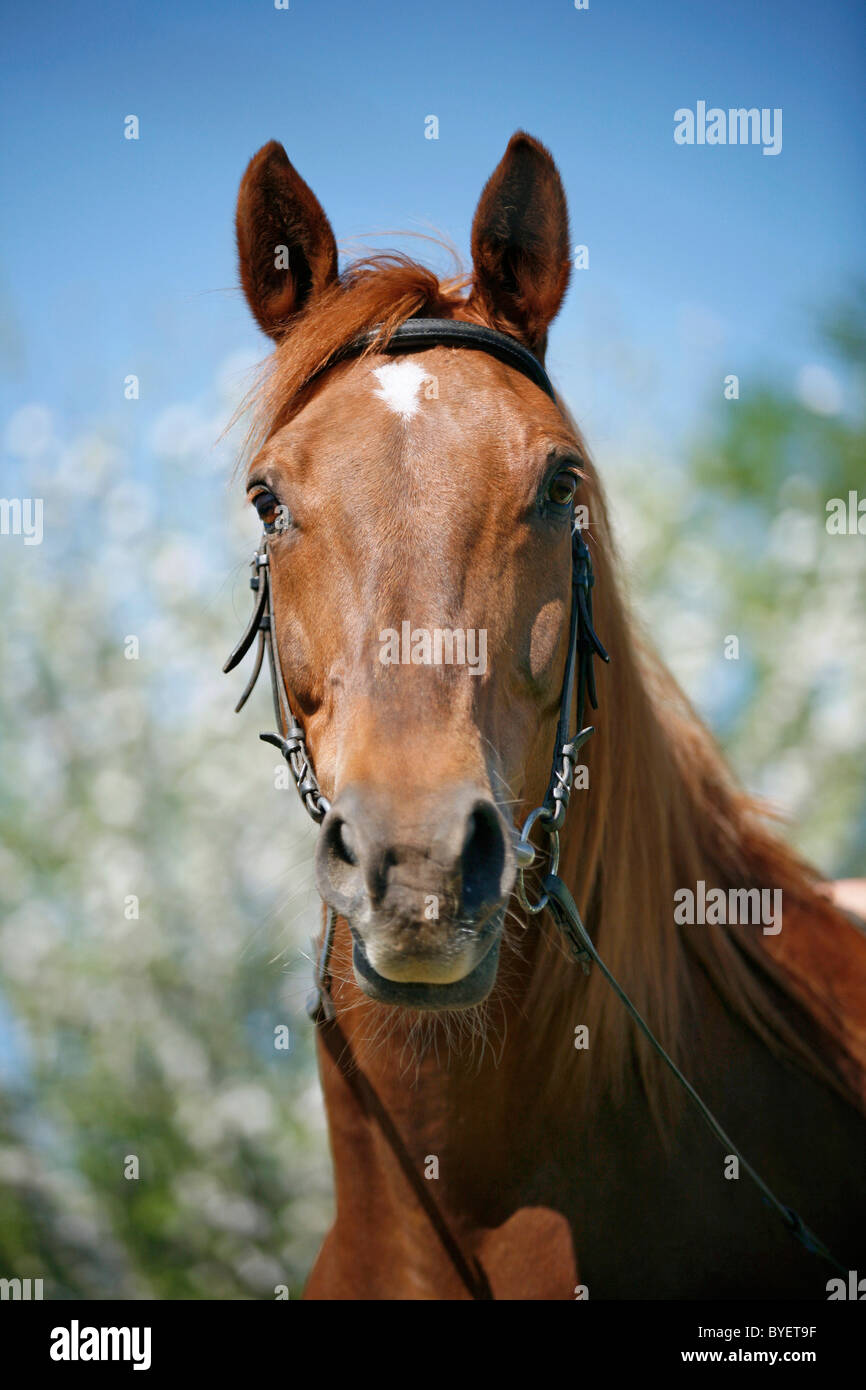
[154, 1035]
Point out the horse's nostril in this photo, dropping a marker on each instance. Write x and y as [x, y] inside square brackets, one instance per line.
[339, 854]
[347, 843]
[483, 858]
[342, 843]
[339, 845]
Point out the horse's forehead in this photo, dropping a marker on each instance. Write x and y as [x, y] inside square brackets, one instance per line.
[443, 414]
[399, 385]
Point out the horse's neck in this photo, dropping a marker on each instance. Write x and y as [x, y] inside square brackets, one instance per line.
[463, 1091]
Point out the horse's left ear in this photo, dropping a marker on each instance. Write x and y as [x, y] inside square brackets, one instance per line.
[520, 243]
[286, 246]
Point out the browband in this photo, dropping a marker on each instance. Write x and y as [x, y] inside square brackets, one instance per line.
[416, 334]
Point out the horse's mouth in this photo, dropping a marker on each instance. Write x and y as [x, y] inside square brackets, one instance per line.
[459, 994]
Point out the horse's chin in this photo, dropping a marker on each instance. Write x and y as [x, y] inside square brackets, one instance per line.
[464, 993]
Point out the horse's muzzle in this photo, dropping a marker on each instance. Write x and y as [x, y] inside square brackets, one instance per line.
[422, 883]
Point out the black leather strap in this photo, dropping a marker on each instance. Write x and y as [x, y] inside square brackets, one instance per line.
[416, 334]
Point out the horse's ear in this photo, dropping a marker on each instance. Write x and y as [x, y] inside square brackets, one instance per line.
[520, 244]
[286, 246]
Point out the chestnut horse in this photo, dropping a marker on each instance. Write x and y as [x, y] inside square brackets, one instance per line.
[499, 1127]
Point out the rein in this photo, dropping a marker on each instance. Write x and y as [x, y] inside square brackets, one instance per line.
[583, 647]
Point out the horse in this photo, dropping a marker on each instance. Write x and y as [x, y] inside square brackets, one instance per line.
[500, 1127]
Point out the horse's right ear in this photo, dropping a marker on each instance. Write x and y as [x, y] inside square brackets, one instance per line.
[286, 246]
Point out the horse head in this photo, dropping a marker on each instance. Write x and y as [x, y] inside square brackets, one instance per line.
[418, 510]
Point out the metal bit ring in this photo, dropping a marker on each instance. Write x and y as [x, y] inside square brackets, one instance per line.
[553, 835]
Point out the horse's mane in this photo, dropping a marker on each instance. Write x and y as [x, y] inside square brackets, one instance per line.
[663, 810]
[383, 289]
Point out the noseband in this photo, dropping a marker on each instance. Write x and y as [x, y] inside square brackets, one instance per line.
[583, 646]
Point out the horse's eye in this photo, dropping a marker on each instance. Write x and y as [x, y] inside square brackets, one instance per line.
[273, 515]
[561, 491]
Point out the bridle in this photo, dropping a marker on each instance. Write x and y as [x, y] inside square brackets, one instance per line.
[578, 683]
[292, 744]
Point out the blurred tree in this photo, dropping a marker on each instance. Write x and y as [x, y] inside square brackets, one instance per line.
[735, 544]
[145, 968]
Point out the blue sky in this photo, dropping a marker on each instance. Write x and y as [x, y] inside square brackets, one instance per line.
[118, 256]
